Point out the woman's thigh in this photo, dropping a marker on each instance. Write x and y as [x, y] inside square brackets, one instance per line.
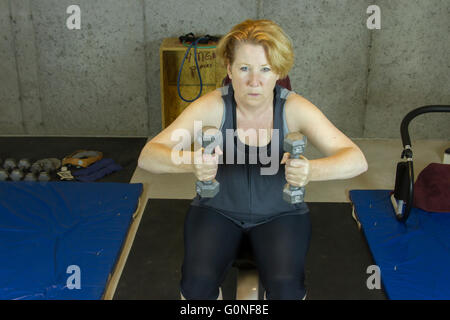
[210, 246]
[280, 247]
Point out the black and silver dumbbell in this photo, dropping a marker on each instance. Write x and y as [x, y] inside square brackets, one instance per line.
[4, 175]
[30, 176]
[10, 164]
[295, 144]
[24, 164]
[39, 171]
[210, 139]
[44, 168]
[16, 174]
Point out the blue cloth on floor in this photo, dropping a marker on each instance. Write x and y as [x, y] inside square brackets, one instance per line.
[97, 170]
[47, 227]
[414, 257]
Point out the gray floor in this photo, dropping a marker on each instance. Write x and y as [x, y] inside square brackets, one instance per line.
[335, 269]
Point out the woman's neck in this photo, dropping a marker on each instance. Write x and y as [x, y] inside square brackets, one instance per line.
[254, 112]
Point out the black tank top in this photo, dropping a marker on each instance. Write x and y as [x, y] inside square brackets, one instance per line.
[251, 178]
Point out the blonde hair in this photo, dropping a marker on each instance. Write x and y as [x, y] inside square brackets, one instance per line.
[276, 44]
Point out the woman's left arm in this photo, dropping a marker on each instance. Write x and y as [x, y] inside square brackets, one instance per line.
[343, 158]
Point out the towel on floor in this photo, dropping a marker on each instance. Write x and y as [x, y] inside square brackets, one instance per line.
[97, 170]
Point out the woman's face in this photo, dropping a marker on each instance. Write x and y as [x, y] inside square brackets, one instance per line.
[253, 78]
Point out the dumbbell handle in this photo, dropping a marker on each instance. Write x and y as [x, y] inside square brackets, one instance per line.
[295, 188]
[209, 153]
[205, 145]
[295, 156]
[208, 188]
[294, 143]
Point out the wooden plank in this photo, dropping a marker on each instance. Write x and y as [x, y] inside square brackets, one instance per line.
[114, 277]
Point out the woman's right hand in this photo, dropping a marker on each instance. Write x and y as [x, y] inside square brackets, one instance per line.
[205, 165]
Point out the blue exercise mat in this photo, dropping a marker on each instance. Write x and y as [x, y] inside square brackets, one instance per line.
[61, 240]
[414, 258]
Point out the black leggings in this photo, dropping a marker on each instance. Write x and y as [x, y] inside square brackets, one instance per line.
[211, 242]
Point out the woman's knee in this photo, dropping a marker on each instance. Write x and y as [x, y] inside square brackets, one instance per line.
[285, 288]
[200, 286]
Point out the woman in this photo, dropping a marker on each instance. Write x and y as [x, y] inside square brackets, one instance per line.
[256, 54]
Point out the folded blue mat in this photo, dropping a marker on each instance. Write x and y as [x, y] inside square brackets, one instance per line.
[49, 229]
[414, 258]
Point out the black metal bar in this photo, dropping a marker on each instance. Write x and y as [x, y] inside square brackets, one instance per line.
[414, 113]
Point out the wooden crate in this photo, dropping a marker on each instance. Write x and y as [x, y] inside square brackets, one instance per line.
[171, 55]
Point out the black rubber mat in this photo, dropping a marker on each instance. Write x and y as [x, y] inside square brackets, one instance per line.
[124, 151]
[335, 268]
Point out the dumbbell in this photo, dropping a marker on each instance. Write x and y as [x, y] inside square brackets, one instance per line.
[43, 168]
[9, 164]
[36, 174]
[24, 164]
[295, 144]
[16, 174]
[4, 175]
[35, 169]
[50, 165]
[44, 176]
[210, 138]
[30, 176]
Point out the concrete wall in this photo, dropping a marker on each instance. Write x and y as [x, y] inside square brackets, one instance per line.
[410, 67]
[103, 80]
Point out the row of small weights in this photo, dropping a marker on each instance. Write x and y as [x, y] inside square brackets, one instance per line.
[24, 170]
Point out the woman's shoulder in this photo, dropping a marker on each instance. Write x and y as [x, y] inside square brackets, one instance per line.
[298, 111]
[209, 108]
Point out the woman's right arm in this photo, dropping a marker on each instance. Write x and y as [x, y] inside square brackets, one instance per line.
[160, 154]
[157, 158]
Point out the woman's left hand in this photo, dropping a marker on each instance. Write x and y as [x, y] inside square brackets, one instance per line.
[297, 171]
